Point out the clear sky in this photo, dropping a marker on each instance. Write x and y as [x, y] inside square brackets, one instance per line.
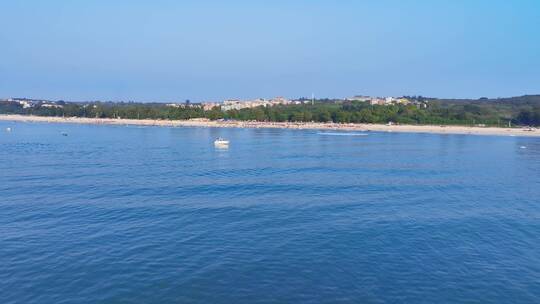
[210, 50]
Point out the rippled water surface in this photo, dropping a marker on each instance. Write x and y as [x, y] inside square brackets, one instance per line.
[117, 214]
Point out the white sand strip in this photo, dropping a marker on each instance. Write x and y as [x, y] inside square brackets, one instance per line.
[283, 125]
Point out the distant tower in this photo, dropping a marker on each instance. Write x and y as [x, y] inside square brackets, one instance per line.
[312, 98]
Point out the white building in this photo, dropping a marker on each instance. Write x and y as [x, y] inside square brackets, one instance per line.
[25, 103]
[50, 105]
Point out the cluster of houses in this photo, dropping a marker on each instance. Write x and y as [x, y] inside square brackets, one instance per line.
[234, 104]
[30, 103]
[379, 100]
[385, 101]
[237, 104]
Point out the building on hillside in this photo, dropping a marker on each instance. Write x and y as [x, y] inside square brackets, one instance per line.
[403, 101]
[389, 100]
[235, 104]
[51, 105]
[280, 100]
[377, 101]
[359, 98]
[183, 105]
[208, 106]
[24, 103]
[232, 104]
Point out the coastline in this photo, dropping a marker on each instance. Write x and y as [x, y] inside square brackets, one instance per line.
[280, 125]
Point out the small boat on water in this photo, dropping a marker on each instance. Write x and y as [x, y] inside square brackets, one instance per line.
[64, 134]
[8, 129]
[221, 143]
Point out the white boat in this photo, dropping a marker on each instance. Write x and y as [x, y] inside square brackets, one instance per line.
[221, 142]
[8, 129]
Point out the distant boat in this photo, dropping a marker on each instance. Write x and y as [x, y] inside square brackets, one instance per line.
[8, 129]
[221, 143]
[64, 134]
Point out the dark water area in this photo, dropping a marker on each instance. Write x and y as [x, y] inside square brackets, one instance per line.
[124, 214]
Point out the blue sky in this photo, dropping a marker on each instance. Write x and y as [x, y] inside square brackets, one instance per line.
[211, 50]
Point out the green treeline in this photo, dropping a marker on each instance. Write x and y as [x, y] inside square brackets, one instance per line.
[523, 110]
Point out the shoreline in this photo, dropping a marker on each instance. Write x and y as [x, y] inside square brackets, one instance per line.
[433, 129]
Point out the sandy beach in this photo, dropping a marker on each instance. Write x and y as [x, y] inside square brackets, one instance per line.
[282, 125]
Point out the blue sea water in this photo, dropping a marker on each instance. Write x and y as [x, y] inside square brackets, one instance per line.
[125, 214]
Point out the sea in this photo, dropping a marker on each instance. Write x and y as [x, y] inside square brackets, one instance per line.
[130, 214]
